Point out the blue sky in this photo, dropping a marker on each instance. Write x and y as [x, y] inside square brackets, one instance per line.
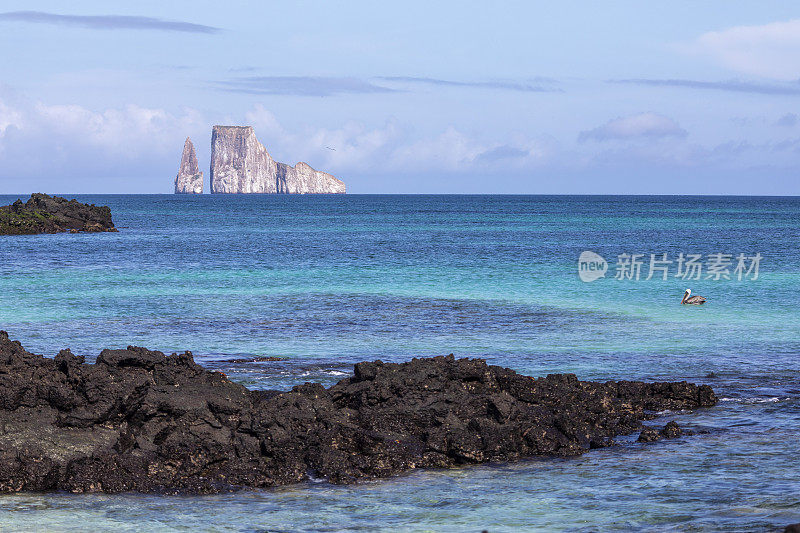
[411, 97]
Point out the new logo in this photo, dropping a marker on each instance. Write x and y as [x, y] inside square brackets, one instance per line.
[591, 266]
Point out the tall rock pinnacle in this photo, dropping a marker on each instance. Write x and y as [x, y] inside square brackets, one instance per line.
[189, 179]
[241, 164]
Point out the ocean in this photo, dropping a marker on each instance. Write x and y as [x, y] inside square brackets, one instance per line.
[327, 281]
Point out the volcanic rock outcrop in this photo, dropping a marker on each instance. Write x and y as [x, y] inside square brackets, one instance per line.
[138, 420]
[670, 431]
[189, 179]
[241, 164]
[53, 214]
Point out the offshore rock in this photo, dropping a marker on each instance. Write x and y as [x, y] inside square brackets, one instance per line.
[189, 179]
[139, 420]
[53, 214]
[671, 431]
[302, 179]
[241, 164]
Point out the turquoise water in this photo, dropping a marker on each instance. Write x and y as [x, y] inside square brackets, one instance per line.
[331, 280]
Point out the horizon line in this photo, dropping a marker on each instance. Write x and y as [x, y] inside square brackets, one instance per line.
[678, 195]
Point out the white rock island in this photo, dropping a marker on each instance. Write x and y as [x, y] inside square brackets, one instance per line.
[241, 164]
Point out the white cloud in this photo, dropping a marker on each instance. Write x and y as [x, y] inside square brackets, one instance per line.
[641, 125]
[389, 148]
[129, 132]
[353, 147]
[770, 50]
[450, 151]
[454, 151]
[39, 141]
[8, 117]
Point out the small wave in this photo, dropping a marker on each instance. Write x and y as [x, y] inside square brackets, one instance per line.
[755, 400]
[322, 372]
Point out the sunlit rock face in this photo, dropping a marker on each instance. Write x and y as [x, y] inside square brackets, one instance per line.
[241, 164]
[189, 179]
[302, 179]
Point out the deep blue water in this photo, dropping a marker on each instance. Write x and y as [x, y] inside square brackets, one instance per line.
[326, 281]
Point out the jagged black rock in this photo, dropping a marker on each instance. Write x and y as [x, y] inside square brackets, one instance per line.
[137, 420]
[53, 214]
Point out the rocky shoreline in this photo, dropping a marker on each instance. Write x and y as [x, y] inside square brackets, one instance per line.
[43, 213]
[137, 420]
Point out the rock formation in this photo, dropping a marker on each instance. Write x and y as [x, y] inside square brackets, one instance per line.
[302, 179]
[53, 214]
[137, 420]
[189, 179]
[670, 431]
[241, 164]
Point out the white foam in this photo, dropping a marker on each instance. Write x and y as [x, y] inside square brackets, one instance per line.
[754, 400]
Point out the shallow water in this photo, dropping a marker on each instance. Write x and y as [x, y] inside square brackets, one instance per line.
[327, 281]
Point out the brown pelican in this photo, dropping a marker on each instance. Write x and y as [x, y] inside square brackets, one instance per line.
[688, 299]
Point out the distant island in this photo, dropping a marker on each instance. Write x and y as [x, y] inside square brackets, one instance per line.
[241, 164]
[53, 214]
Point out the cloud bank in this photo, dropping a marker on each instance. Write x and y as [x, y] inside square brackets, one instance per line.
[788, 120]
[791, 89]
[330, 86]
[768, 50]
[540, 85]
[391, 148]
[49, 145]
[138, 148]
[642, 125]
[106, 22]
[300, 86]
[70, 148]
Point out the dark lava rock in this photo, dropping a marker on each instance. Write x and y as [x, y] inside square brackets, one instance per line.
[139, 420]
[671, 431]
[792, 528]
[53, 214]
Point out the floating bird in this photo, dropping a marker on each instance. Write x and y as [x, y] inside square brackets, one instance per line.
[688, 299]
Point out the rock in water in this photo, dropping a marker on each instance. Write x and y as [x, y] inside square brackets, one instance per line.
[241, 164]
[139, 420]
[302, 179]
[53, 214]
[671, 431]
[189, 179]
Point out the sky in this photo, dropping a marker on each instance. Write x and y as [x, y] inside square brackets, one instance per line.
[616, 97]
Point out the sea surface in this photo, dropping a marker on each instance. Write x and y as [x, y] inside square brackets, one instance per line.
[327, 281]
